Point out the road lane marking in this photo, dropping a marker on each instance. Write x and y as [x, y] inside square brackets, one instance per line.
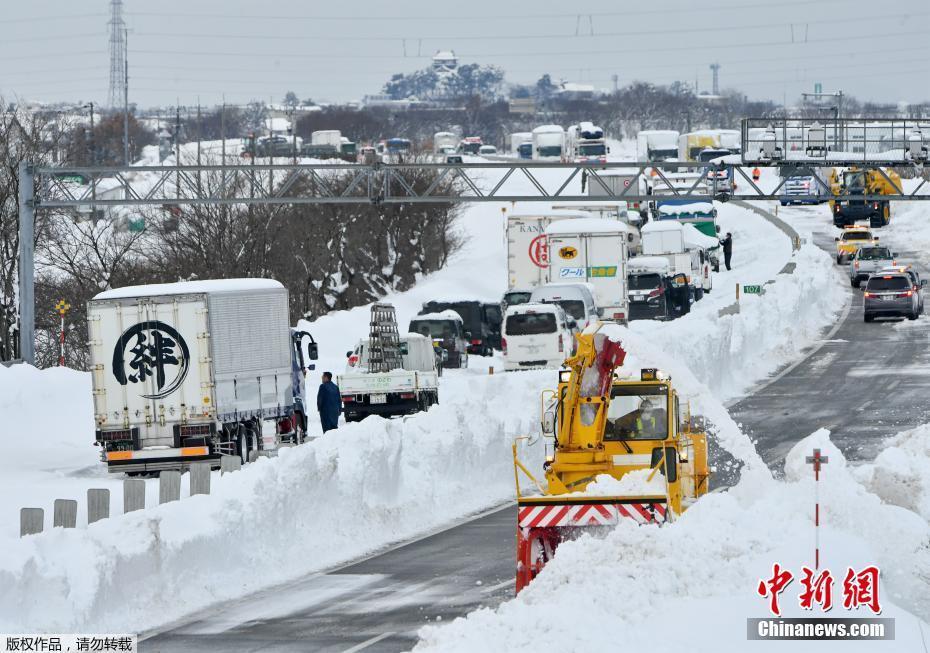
[494, 588]
[368, 642]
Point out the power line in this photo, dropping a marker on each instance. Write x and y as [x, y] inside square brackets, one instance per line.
[523, 53]
[46, 19]
[518, 37]
[703, 9]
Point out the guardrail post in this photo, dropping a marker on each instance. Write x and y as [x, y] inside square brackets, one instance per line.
[98, 505]
[200, 478]
[133, 495]
[31, 521]
[169, 486]
[65, 514]
[230, 464]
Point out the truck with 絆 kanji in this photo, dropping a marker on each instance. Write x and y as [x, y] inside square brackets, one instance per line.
[191, 371]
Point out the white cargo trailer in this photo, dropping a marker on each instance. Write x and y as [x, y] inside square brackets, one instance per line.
[527, 251]
[592, 251]
[185, 372]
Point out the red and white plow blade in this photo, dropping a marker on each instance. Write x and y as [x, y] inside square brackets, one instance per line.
[590, 514]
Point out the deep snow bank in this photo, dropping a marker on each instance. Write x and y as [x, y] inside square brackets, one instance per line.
[692, 584]
[344, 495]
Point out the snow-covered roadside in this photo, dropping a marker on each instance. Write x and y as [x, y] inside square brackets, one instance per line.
[342, 496]
[692, 585]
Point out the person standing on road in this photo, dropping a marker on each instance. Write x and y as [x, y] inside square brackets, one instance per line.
[727, 243]
[329, 403]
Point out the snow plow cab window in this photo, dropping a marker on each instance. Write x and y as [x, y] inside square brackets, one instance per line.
[530, 324]
[637, 412]
[671, 463]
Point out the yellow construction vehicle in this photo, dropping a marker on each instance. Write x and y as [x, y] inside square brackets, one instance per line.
[857, 181]
[604, 424]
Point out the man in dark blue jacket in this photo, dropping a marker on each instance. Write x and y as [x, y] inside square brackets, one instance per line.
[328, 402]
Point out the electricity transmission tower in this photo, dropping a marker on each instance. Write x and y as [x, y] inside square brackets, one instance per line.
[117, 54]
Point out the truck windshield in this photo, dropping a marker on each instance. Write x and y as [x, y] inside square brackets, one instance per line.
[662, 155]
[471, 148]
[516, 297]
[435, 328]
[888, 283]
[645, 281]
[595, 149]
[550, 150]
[525, 149]
[874, 254]
[530, 324]
[637, 412]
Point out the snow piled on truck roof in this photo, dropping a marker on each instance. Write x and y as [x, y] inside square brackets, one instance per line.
[190, 287]
[447, 314]
[587, 226]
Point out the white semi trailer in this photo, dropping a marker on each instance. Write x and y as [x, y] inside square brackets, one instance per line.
[592, 251]
[186, 372]
[548, 143]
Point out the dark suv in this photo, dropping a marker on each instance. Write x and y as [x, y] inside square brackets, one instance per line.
[891, 294]
[482, 323]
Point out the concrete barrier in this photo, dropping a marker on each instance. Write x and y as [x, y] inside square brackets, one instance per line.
[98, 505]
[31, 521]
[65, 514]
[230, 464]
[133, 495]
[200, 478]
[169, 486]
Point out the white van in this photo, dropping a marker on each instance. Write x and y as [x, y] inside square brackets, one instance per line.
[536, 335]
[576, 299]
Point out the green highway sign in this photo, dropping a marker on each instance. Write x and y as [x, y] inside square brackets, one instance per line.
[752, 290]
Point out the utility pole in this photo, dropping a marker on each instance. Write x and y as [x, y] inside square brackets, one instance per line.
[27, 298]
[126, 97]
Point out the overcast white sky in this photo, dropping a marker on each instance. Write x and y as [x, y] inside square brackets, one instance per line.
[338, 51]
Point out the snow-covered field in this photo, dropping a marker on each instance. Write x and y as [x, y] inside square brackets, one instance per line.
[366, 485]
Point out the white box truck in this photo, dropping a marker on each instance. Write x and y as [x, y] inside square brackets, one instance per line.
[445, 143]
[527, 250]
[592, 251]
[398, 392]
[682, 245]
[327, 137]
[185, 372]
[548, 143]
[656, 145]
[517, 139]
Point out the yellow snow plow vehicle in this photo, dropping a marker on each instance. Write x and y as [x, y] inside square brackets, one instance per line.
[632, 430]
[856, 181]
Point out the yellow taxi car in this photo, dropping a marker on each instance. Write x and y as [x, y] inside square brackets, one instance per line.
[851, 240]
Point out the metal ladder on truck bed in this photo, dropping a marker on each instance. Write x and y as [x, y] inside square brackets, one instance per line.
[384, 341]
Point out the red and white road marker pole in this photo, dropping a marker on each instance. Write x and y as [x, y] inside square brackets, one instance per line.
[62, 307]
[817, 460]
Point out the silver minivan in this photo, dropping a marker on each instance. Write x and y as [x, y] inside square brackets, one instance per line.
[576, 299]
